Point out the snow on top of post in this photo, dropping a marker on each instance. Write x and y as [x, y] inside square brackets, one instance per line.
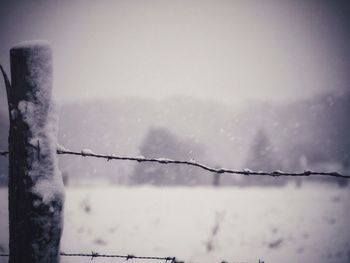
[32, 44]
[37, 70]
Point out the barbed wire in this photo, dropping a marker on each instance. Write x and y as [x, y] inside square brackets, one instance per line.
[89, 153]
[140, 159]
[94, 255]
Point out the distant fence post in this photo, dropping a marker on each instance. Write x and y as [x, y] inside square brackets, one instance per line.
[216, 177]
[36, 193]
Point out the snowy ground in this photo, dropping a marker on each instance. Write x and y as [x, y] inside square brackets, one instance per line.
[206, 225]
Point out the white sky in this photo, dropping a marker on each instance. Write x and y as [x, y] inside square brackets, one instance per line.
[208, 49]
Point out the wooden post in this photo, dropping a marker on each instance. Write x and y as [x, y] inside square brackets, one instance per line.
[36, 193]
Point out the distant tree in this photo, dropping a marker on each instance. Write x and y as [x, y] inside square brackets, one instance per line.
[158, 143]
[262, 157]
[261, 154]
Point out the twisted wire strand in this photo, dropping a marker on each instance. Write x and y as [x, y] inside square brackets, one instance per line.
[277, 173]
[93, 255]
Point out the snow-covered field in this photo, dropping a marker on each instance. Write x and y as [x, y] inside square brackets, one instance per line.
[205, 224]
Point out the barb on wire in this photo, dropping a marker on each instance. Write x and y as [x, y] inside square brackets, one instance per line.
[93, 255]
[89, 153]
[4, 153]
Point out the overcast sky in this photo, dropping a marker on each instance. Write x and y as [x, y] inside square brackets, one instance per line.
[208, 49]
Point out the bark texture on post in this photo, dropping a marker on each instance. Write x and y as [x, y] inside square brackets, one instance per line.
[36, 193]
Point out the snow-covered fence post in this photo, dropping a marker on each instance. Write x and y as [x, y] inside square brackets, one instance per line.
[36, 193]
